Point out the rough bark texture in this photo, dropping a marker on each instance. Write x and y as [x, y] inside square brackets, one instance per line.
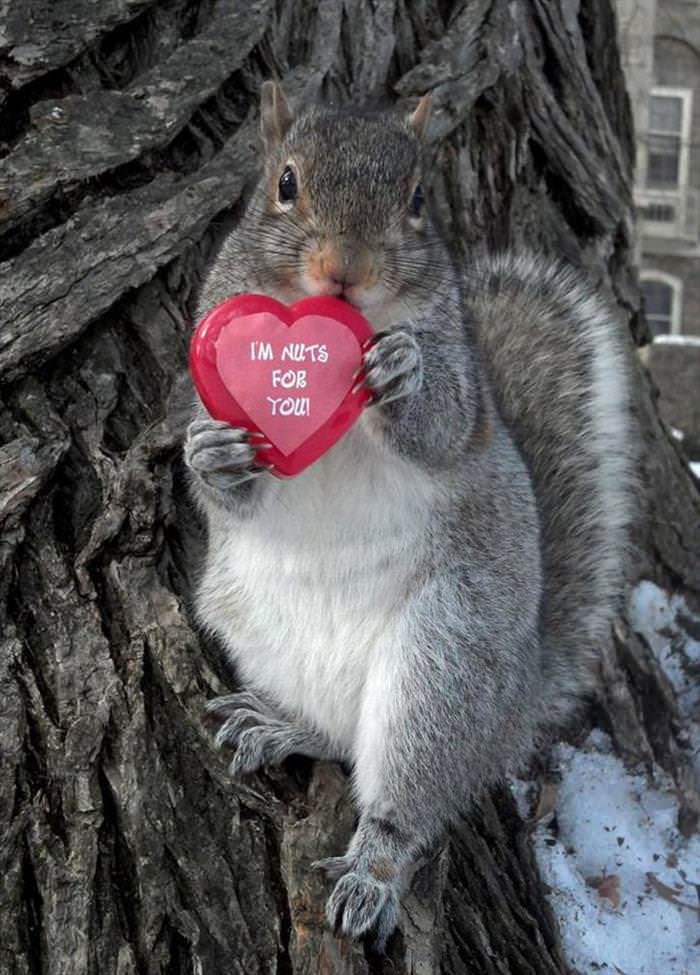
[129, 132]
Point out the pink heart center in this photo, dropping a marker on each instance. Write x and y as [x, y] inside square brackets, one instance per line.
[288, 379]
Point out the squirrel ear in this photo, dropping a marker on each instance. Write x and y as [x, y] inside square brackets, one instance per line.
[418, 119]
[275, 114]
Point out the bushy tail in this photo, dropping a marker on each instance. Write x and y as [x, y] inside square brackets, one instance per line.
[560, 370]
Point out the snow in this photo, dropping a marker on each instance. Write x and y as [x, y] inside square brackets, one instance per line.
[677, 340]
[616, 834]
[664, 621]
[623, 882]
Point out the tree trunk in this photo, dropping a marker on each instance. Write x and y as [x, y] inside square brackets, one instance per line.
[130, 131]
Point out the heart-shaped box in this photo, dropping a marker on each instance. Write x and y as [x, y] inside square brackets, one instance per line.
[287, 374]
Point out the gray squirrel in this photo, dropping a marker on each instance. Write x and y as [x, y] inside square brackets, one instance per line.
[432, 591]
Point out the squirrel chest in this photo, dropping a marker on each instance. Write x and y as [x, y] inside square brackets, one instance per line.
[308, 591]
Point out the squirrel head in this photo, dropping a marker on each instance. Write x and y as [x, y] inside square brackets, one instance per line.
[342, 210]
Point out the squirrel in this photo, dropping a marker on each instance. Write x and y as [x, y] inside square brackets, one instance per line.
[431, 592]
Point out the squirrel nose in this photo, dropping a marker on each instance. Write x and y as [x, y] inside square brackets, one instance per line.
[343, 271]
[343, 278]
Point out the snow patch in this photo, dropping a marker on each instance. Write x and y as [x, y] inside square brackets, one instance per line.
[623, 882]
[666, 622]
[677, 340]
[621, 877]
[522, 793]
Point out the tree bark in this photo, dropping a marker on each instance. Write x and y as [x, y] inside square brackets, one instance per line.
[130, 143]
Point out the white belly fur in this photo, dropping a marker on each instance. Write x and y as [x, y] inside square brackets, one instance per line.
[316, 585]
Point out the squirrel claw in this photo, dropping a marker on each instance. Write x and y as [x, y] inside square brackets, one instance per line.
[333, 867]
[255, 443]
[377, 337]
[358, 386]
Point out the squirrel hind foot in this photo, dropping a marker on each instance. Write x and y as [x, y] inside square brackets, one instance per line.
[363, 906]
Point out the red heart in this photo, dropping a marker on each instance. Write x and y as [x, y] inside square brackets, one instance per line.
[286, 374]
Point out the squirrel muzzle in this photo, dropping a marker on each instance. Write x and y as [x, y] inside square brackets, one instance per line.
[332, 268]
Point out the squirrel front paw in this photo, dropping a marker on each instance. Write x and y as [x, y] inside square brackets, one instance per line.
[393, 366]
[221, 455]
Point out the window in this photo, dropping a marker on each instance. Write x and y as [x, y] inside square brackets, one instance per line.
[658, 305]
[662, 296]
[668, 137]
[659, 212]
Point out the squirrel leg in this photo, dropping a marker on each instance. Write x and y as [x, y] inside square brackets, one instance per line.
[391, 830]
[223, 461]
[259, 735]
[447, 705]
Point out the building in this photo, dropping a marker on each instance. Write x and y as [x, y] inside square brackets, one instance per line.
[660, 44]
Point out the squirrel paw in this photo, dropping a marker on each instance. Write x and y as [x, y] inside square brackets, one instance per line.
[223, 456]
[259, 736]
[393, 366]
[361, 904]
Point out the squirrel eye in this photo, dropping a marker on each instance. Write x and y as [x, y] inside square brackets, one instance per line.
[288, 186]
[415, 207]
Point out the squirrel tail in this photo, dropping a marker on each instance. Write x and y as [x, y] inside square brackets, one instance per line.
[560, 371]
